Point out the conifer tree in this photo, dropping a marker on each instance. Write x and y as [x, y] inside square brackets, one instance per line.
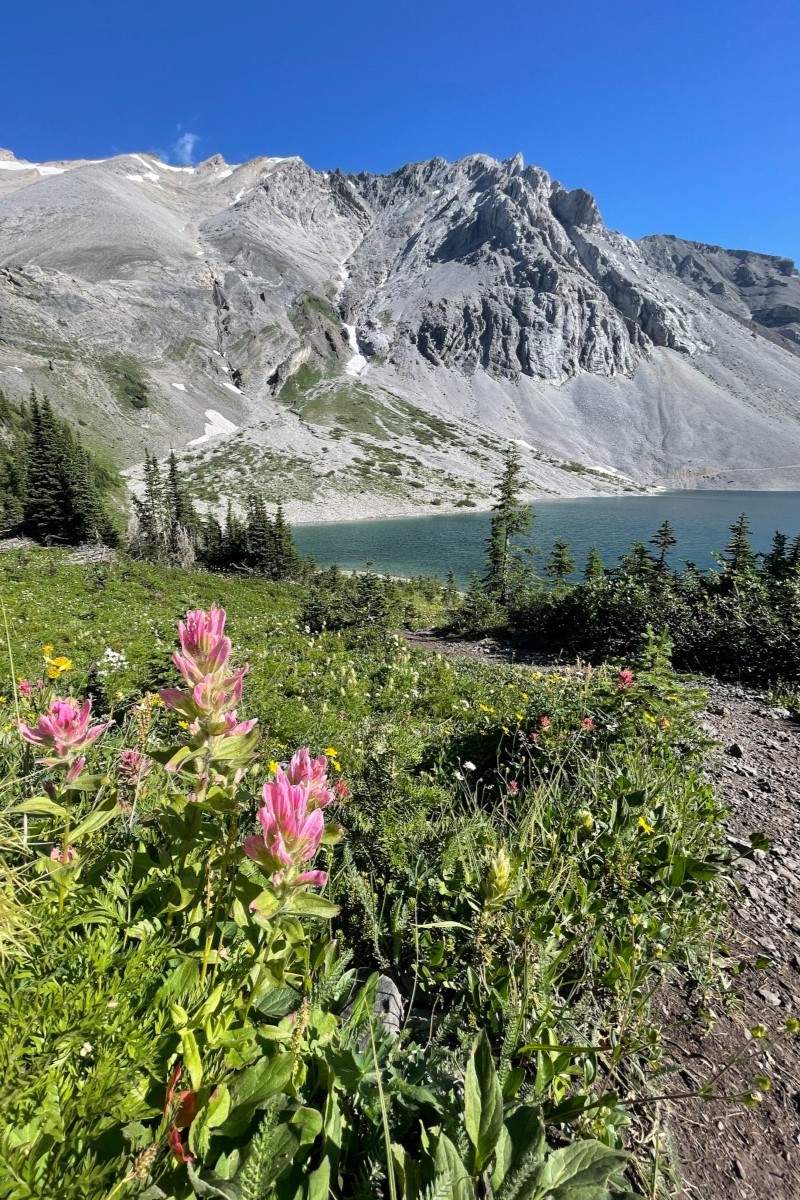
[511, 519]
[261, 556]
[739, 558]
[663, 539]
[637, 564]
[594, 569]
[48, 507]
[287, 560]
[560, 564]
[234, 540]
[180, 515]
[776, 562]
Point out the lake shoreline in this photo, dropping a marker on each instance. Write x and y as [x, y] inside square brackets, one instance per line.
[439, 541]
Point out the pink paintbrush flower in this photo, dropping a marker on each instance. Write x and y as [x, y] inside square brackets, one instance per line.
[64, 857]
[625, 680]
[292, 830]
[132, 764]
[64, 728]
[205, 648]
[311, 772]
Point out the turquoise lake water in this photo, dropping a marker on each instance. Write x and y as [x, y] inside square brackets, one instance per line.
[434, 545]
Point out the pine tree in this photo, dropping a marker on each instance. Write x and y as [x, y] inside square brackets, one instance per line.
[776, 562]
[594, 569]
[48, 508]
[234, 540]
[511, 519]
[180, 515]
[287, 560]
[739, 558]
[637, 564]
[560, 564]
[663, 539]
[149, 538]
[261, 556]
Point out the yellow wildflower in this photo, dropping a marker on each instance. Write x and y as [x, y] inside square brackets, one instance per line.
[47, 650]
[331, 752]
[487, 708]
[183, 724]
[643, 825]
[3, 699]
[273, 766]
[57, 666]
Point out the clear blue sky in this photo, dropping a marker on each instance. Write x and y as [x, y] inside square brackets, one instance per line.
[682, 116]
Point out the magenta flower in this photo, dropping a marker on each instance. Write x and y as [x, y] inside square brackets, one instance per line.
[313, 773]
[341, 789]
[292, 828]
[625, 680]
[545, 722]
[64, 856]
[64, 728]
[25, 688]
[234, 727]
[133, 764]
[205, 648]
[513, 787]
[587, 723]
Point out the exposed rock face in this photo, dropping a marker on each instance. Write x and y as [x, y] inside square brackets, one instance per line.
[478, 292]
[758, 288]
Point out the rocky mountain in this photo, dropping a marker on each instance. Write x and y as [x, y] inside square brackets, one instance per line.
[360, 344]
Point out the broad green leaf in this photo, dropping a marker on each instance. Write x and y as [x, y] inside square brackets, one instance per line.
[332, 835]
[39, 806]
[483, 1102]
[447, 1162]
[503, 1158]
[253, 1087]
[319, 1182]
[219, 1107]
[309, 904]
[96, 819]
[580, 1165]
[191, 1057]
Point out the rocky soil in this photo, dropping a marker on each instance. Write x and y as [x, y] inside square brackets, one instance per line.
[731, 1152]
[725, 1150]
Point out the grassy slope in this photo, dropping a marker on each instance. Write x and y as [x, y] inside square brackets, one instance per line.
[538, 886]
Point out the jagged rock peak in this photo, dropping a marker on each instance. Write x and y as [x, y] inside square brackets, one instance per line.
[577, 207]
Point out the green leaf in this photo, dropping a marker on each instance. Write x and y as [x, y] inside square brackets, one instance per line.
[219, 1107]
[255, 1085]
[240, 746]
[581, 1165]
[319, 1182]
[309, 904]
[96, 819]
[39, 806]
[447, 1162]
[191, 1057]
[483, 1102]
[504, 1156]
[332, 835]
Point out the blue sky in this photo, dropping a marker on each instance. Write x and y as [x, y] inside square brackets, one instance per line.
[681, 117]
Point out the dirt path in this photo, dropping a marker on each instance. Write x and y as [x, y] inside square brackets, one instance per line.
[739, 1153]
[731, 1152]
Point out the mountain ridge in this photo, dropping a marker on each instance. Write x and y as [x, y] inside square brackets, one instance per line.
[396, 330]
